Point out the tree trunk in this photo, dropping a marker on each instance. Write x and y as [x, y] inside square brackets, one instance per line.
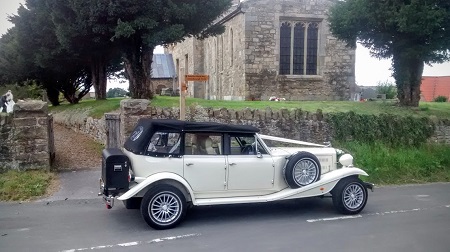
[53, 95]
[99, 77]
[138, 69]
[69, 91]
[408, 69]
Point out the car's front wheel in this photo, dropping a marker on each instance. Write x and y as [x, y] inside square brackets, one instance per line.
[163, 207]
[349, 195]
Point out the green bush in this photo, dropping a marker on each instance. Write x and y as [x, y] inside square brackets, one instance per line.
[387, 88]
[26, 90]
[440, 98]
[389, 129]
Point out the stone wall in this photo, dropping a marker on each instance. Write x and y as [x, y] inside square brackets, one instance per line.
[188, 55]
[6, 135]
[159, 84]
[80, 121]
[262, 42]
[441, 132]
[224, 61]
[294, 124]
[26, 137]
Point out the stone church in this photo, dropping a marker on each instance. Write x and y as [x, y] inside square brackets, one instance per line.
[281, 48]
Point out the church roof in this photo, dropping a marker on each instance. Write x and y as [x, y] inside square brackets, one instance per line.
[162, 66]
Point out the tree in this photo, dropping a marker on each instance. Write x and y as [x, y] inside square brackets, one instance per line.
[412, 32]
[116, 92]
[388, 88]
[143, 24]
[41, 57]
[85, 28]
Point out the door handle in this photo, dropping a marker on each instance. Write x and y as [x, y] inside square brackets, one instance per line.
[189, 164]
[232, 164]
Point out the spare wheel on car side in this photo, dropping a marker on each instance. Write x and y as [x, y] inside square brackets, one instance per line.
[302, 169]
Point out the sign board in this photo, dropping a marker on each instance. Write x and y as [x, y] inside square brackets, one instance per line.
[196, 77]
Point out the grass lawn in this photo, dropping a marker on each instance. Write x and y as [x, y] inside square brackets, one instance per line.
[96, 108]
[440, 110]
[387, 165]
[26, 185]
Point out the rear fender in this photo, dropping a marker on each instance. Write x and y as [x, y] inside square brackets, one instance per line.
[155, 178]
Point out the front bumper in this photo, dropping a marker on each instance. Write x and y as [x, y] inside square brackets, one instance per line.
[369, 186]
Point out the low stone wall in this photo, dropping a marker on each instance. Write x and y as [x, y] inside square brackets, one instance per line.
[80, 121]
[441, 132]
[26, 137]
[294, 124]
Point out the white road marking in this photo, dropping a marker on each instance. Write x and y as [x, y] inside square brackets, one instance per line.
[376, 214]
[398, 211]
[134, 243]
[335, 218]
[23, 229]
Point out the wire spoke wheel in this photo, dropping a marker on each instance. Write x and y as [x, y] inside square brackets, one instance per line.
[353, 196]
[305, 171]
[349, 195]
[302, 169]
[163, 207]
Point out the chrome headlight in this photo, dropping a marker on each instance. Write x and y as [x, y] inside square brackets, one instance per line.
[346, 160]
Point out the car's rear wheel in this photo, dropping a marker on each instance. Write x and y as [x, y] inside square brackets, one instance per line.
[349, 195]
[163, 207]
[302, 169]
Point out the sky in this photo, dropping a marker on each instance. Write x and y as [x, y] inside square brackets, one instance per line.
[369, 70]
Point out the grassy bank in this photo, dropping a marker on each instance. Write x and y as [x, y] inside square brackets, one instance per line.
[21, 186]
[440, 110]
[96, 108]
[387, 165]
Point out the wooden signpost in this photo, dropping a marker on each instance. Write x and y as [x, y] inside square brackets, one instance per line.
[183, 88]
[196, 77]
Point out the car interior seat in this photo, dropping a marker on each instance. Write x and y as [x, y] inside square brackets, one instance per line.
[209, 147]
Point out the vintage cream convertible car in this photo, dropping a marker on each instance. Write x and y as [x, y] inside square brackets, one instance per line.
[168, 165]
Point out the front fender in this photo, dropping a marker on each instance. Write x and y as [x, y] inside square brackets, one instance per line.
[155, 178]
[348, 171]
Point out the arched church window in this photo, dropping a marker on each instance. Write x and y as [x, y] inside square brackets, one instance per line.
[299, 44]
[231, 47]
[285, 48]
[311, 59]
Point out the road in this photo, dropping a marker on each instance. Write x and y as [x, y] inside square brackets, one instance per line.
[404, 218]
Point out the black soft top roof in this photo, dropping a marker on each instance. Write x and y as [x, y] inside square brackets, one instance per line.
[145, 128]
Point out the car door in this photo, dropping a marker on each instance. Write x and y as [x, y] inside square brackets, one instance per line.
[204, 165]
[248, 169]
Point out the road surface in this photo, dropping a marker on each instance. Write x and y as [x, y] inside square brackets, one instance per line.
[404, 218]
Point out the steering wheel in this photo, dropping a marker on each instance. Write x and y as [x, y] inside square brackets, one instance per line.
[247, 149]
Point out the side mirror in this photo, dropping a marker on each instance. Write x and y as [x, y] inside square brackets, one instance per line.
[258, 155]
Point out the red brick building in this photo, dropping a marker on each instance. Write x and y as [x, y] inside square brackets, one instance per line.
[434, 86]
